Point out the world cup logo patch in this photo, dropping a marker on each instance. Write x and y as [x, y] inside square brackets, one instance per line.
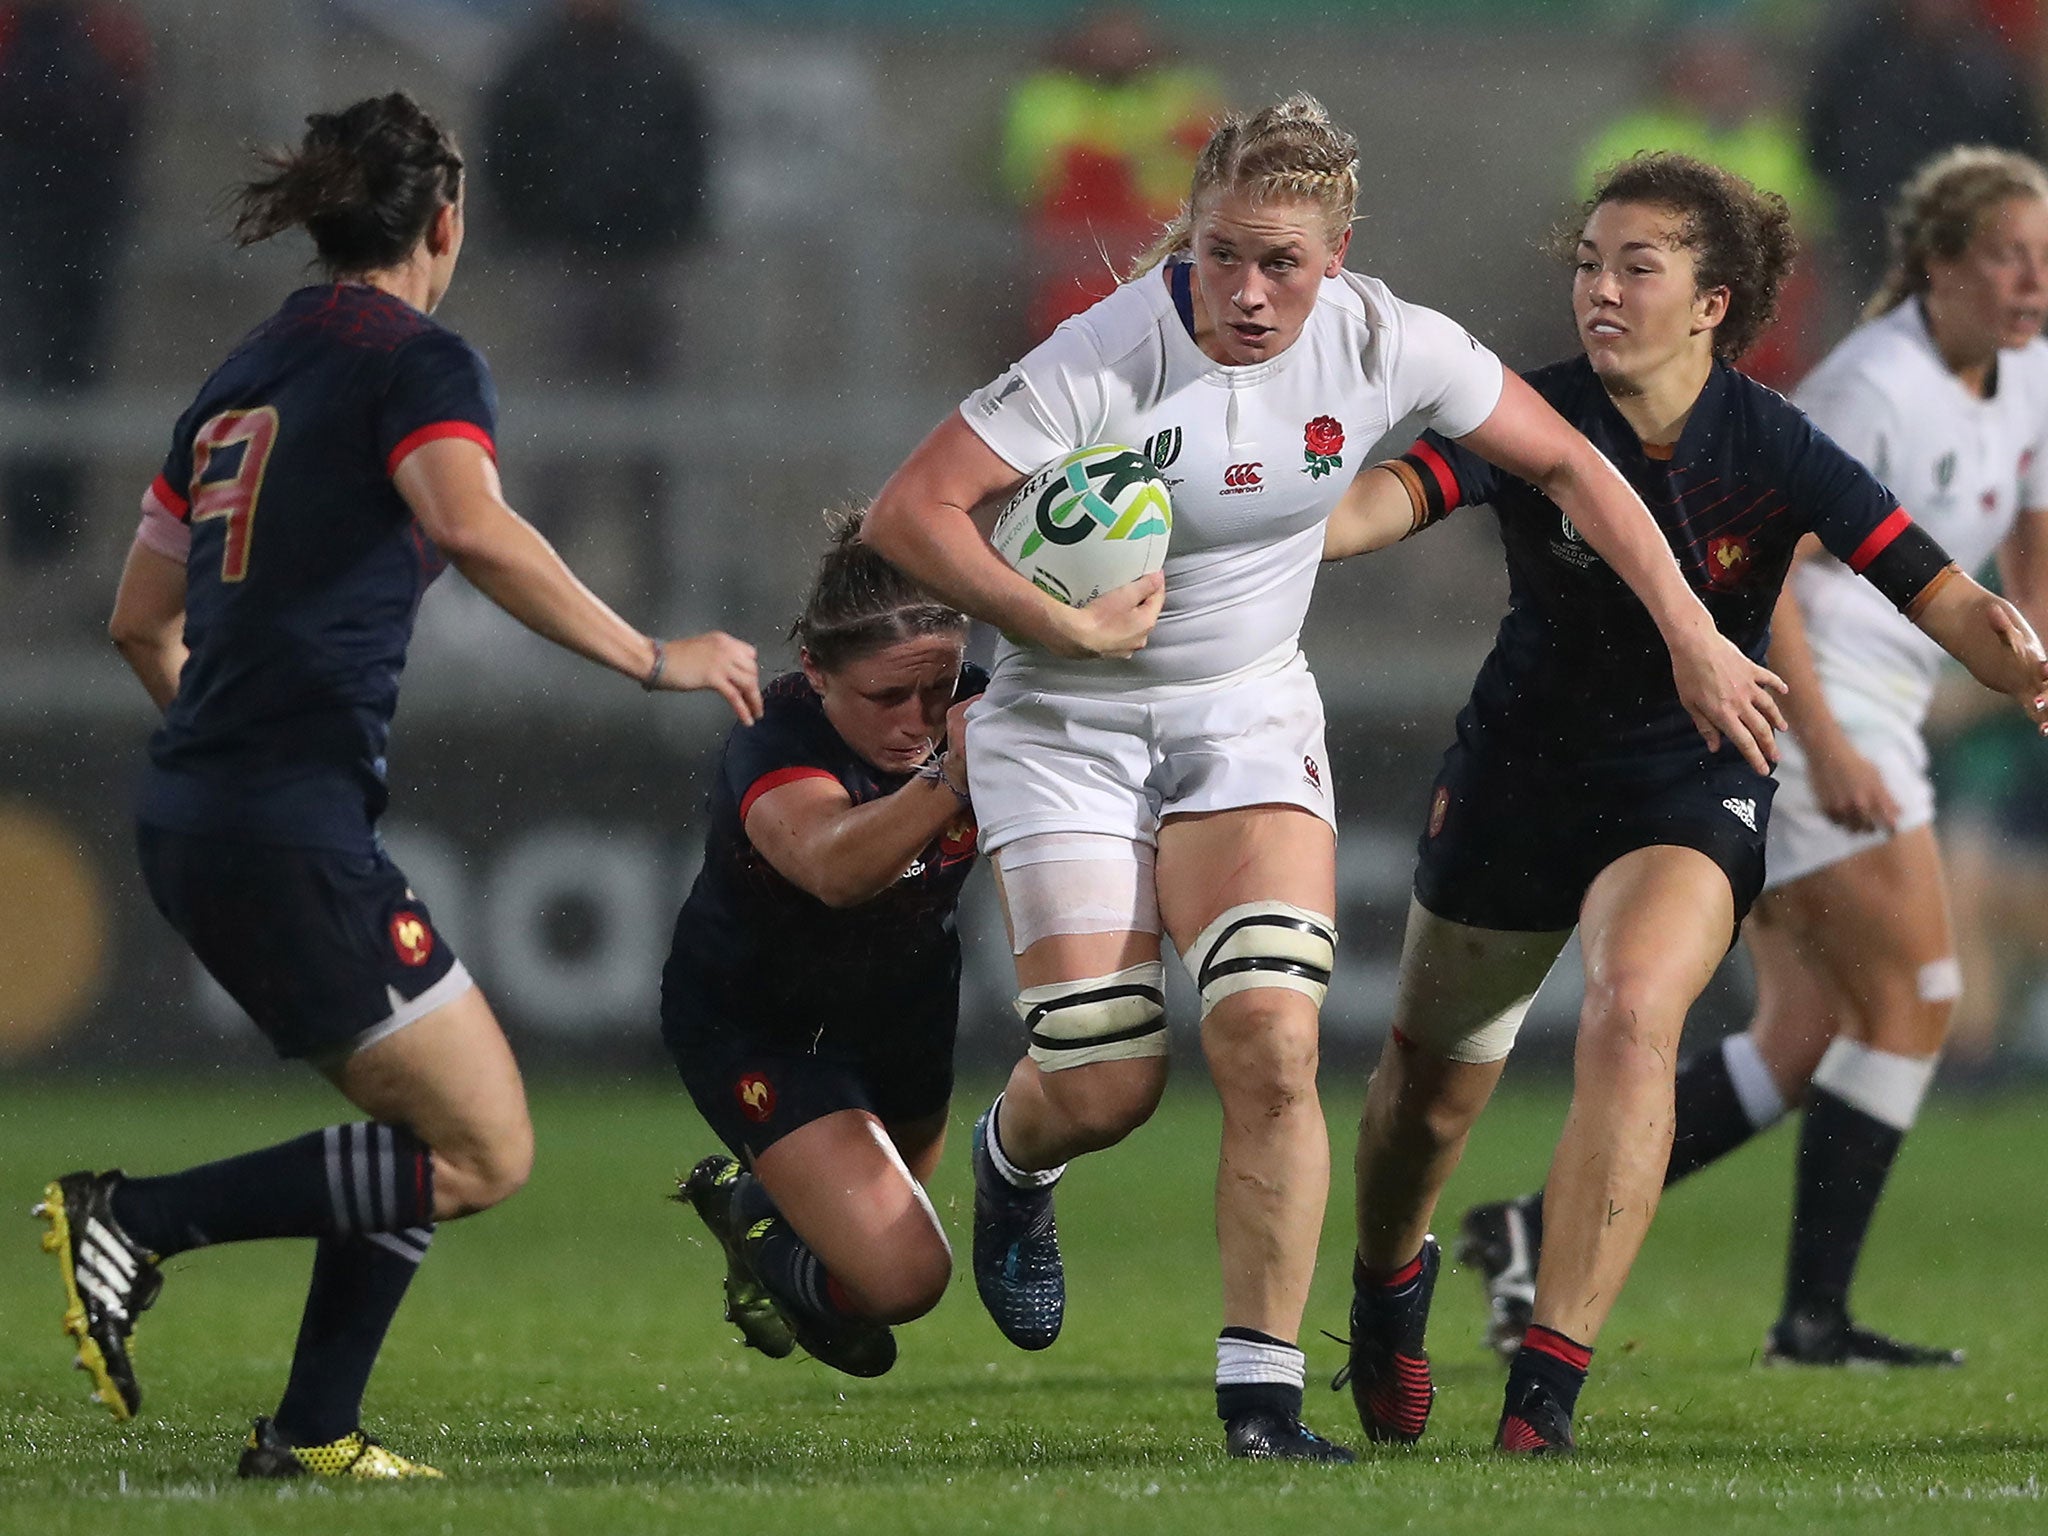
[411, 938]
[1439, 808]
[757, 1097]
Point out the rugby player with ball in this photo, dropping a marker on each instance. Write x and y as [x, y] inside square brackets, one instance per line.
[1153, 762]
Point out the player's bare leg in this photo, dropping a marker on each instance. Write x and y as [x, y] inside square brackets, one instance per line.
[451, 1079]
[1049, 1114]
[1462, 990]
[1272, 1181]
[1654, 926]
[1871, 941]
[830, 1238]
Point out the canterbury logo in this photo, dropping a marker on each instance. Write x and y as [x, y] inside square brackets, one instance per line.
[1744, 811]
[1242, 477]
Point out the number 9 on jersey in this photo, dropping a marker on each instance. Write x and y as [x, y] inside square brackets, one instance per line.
[1089, 521]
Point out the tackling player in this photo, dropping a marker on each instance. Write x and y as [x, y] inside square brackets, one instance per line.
[1944, 392]
[1578, 791]
[326, 472]
[813, 990]
[1132, 779]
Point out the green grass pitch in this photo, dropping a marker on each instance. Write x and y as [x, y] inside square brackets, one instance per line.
[563, 1359]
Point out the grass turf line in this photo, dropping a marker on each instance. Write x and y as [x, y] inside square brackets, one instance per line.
[564, 1361]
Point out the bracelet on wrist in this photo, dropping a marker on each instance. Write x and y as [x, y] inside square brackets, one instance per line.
[934, 768]
[652, 680]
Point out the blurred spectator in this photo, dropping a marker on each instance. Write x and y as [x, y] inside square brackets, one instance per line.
[595, 151]
[1714, 100]
[1098, 149]
[1904, 79]
[71, 81]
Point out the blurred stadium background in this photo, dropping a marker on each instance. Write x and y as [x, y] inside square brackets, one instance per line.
[861, 266]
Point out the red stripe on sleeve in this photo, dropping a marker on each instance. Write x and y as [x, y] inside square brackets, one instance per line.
[434, 432]
[173, 503]
[1440, 467]
[1880, 538]
[776, 780]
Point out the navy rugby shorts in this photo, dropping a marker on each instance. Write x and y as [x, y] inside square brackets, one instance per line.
[327, 952]
[1515, 848]
[755, 1089]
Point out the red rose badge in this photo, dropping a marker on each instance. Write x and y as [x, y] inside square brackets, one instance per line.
[1322, 446]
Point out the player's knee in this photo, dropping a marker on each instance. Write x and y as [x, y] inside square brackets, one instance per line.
[1419, 1119]
[1263, 1051]
[484, 1169]
[909, 1285]
[1100, 1107]
[1117, 1017]
[1260, 946]
[1624, 1028]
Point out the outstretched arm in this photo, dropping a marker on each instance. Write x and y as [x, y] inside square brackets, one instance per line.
[922, 522]
[1989, 636]
[452, 487]
[1381, 507]
[1725, 692]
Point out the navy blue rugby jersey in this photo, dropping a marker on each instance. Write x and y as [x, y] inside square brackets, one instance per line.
[754, 949]
[306, 567]
[1579, 675]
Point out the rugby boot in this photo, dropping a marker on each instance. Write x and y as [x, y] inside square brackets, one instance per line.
[1830, 1338]
[1272, 1436]
[109, 1281]
[355, 1455]
[1535, 1423]
[856, 1345]
[1388, 1368]
[1503, 1242]
[1017, 1265]
[748, 1306]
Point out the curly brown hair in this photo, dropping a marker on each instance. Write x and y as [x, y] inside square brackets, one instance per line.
[1740, 238]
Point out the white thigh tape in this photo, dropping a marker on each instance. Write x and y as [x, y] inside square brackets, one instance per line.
[1265, 944]
[1077, 882]
[1102, 1018]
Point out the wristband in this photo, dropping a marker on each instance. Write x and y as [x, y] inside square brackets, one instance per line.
[652, 680]
[934, 768]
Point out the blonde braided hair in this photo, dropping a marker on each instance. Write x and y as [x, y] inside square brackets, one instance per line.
[1939, 209]
[1288, 152]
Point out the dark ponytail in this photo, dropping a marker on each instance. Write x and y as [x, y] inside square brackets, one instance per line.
[364, 182]
[859, 603]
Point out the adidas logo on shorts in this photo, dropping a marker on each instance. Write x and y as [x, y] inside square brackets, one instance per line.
[1744, 811]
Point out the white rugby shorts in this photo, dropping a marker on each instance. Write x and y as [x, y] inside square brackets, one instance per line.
[1802, 840]
[1060, 762]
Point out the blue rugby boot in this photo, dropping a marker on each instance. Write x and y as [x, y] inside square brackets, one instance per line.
[1017, 1265]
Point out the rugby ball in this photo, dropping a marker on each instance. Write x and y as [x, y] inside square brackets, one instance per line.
[1089, 521]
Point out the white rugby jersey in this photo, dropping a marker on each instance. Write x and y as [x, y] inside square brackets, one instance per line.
[1255, 456]
[1962, 467]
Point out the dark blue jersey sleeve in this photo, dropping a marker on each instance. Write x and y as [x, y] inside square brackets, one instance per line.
[1859, 521]
[171, 490]
[1842, 502]
[440, 387]
[781, 747]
